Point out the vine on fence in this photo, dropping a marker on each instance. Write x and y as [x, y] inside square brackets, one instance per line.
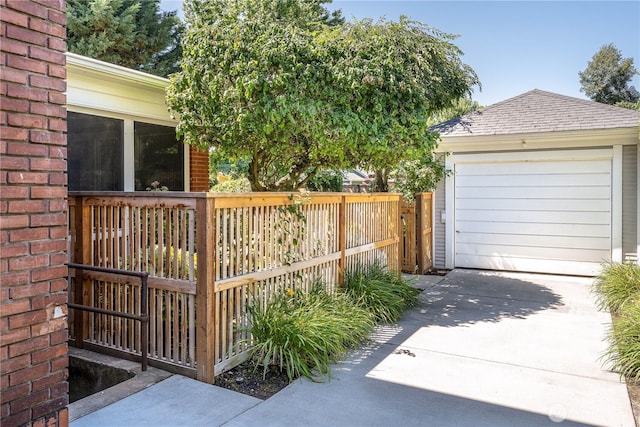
[291, 227]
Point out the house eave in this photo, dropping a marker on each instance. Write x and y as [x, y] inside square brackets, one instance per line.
[106, 71]
[540, 140]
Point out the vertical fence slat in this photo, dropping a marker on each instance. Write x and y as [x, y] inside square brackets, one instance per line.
[342, 239]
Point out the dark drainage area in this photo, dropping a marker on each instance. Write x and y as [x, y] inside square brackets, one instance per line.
[87, 377]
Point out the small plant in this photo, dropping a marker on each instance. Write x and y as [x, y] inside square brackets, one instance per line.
[155, 186]
[384, 293]
[303, 333]
[617, 285]
[624, 338]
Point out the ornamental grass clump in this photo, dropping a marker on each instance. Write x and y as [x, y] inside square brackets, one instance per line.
[382, 292]
[303, 333]
[617, 285]
[624, 339]
[618, 290]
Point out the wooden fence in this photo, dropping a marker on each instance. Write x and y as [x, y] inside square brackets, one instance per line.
[416, 245]
[208, 256]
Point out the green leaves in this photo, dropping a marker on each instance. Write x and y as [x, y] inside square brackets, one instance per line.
[380, 291]
[617, 285]
[607, 76]
[303, 333]
[617, 289]
[131, 33]
[298, 90]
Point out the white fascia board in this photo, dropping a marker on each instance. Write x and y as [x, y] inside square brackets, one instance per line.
[539, 141]
[107, 88]
[105, 70]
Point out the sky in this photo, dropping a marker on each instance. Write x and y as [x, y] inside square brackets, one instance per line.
[516, 46]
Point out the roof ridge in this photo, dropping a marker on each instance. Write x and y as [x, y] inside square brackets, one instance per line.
[589, 102]
[559, 96]
[522, 95]
[539, 111]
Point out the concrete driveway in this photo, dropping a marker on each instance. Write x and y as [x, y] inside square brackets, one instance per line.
[482, 349]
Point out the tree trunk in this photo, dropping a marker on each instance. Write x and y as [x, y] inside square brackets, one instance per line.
[381, 184]
[254, 176]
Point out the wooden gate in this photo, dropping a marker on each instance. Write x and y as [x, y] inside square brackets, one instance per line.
[416, 244]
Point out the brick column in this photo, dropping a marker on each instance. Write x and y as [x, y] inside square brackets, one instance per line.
[33, 229]
[198, 170]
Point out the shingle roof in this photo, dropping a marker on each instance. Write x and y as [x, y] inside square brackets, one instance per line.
[539, 111]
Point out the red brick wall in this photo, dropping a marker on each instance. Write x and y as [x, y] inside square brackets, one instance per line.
[33, 231]
[198, 170]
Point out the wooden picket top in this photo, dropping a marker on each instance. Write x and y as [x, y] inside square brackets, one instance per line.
[208, 255]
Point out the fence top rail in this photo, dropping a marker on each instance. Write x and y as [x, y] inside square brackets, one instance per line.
[144, 201]
[223, 200]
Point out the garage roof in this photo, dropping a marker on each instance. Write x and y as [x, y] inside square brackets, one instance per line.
[539, 111]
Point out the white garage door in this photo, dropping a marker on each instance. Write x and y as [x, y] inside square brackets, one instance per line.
[542, 215]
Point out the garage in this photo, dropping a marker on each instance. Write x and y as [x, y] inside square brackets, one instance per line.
[540, 182]
[550, 213]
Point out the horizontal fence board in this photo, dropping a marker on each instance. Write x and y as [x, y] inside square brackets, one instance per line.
[141, 202]
[229, 283]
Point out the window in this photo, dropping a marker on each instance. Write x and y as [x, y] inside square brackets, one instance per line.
[158, 157]
[120, 154]
[95, 153]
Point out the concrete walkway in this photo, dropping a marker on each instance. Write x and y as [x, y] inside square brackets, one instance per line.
[482, 349]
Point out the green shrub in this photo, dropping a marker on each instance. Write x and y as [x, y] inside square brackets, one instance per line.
[617, 285]
[326, 181]
[240, 185]
[384, 293]
[624, 338]
[305, 332]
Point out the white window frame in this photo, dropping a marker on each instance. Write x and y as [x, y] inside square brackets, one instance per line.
[129, 146]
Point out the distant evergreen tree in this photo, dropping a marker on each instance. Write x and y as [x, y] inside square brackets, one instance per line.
[131, 33]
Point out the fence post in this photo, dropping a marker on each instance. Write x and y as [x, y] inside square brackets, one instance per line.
[398, 235]
[205, 289]
[81, 255]
[423, 231]
[342, 238]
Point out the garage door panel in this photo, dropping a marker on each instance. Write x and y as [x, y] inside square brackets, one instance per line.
[562, 193]
[572, 242]
[559, 254]
[597, 166]
[577, 230]
[559, 218]
[527, 264]
[532, 180]
[542, 216]
[583, 205]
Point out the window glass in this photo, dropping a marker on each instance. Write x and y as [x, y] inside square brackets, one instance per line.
[95, 153]
[159, 157]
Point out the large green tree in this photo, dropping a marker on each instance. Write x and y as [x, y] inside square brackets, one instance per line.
[296, 90]
[132, 33]
[607, 76]
[423, 171]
